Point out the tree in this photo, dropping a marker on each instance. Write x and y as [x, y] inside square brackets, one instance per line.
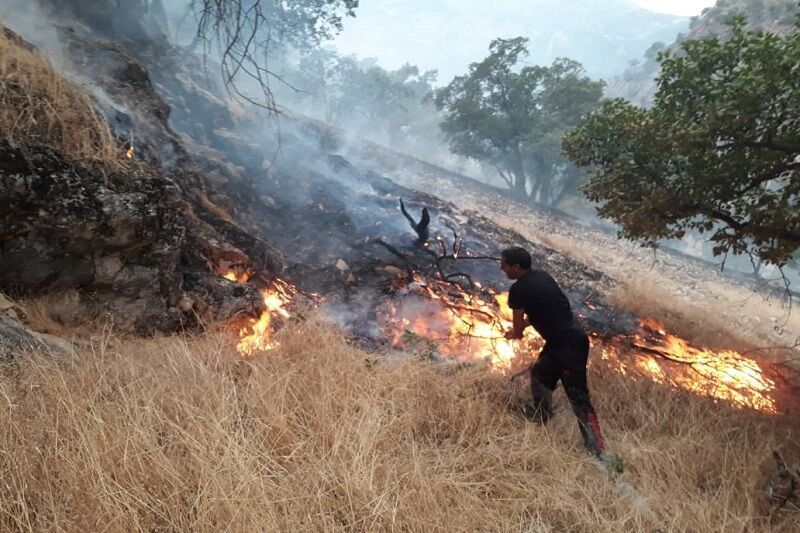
[243, 31]
[513, 119]
[393, 106]
[718, 152]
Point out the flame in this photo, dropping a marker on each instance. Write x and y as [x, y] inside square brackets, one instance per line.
[129, 152]
[470, 327]
[240, 277]
[458, 324]
[237, 274]
[724, 375]
[258, 336]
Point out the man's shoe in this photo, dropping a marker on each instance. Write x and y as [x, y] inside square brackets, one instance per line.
[613, 463]
[533, 414]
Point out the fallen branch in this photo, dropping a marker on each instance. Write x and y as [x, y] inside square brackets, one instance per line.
[781, 486]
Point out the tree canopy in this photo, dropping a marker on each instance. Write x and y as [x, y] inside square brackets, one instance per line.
[718, 152]
[513, 118]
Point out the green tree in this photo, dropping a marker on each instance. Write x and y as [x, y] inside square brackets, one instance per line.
[513, 118]
[718, 152]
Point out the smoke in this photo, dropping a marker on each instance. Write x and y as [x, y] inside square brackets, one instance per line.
[31, 21]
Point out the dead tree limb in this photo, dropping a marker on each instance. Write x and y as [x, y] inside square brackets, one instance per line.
[409, 266]
[421, 227]
[781, 487]
[244, 32]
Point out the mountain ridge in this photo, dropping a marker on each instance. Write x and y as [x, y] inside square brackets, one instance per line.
[637, 83]
[552, 29]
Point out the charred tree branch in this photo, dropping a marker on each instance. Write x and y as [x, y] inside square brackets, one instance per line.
[421, 227]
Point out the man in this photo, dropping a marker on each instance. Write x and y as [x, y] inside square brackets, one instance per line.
[537, 301]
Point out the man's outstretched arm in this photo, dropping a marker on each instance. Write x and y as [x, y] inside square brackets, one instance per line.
[520, 323]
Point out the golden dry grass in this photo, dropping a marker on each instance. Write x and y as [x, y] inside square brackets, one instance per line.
[180, 434]
[681, 318]
[39, 107]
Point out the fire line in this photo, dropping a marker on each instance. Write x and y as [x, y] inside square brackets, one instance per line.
[467, 327]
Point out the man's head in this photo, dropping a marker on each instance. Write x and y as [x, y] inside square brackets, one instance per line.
[515, 261]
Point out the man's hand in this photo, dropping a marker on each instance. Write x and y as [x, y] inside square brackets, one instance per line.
[520, 323]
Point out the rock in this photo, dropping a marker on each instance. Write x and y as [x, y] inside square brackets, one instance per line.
[185, 303]
[106, 269]
[16, 337]
[391, 269]
[71, 308]
[138, 243]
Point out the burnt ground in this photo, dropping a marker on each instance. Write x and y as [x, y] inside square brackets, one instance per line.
[273, 201]
[337, 224]
[262, 187]
[749, 307]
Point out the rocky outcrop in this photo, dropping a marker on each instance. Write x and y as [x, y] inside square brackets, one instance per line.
[144, 244]
[638, 82]
[131, 243]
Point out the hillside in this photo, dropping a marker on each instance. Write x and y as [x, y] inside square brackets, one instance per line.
[674, 287]
[637, 83]
[211, 320]
[181, 434]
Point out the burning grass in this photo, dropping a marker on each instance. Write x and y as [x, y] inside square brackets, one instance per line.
[740, 319]
[39, 107]
[182, 433]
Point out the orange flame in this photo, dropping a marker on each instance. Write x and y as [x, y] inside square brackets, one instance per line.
[241, 277]
[724, 375]
[258, 336]
[460, 325]
[238, 274]
[468, 327]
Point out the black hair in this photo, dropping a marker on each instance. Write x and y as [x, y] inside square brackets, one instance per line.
[517, 256]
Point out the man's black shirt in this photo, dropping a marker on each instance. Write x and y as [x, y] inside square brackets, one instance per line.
[546, 307]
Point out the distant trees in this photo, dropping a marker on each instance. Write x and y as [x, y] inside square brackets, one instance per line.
[719, 151]
[513, 118]
[390, 106]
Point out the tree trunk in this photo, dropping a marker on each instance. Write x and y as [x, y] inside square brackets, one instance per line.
[545, 193]
[518, 169]
[541, 183]
[571, 177]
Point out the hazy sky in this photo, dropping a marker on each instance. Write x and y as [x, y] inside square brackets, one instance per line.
[447, 35]
[683, 8]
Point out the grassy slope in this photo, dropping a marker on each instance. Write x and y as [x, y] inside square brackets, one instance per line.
[178, 433]
[39, 107]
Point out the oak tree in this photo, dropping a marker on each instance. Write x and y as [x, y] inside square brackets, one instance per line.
[718, 152]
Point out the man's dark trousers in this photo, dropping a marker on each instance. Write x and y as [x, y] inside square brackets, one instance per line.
[565, 358]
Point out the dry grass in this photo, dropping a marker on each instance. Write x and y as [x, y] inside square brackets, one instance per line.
[66, 313]
[682, 318]
[39, 107]
[179, 434]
